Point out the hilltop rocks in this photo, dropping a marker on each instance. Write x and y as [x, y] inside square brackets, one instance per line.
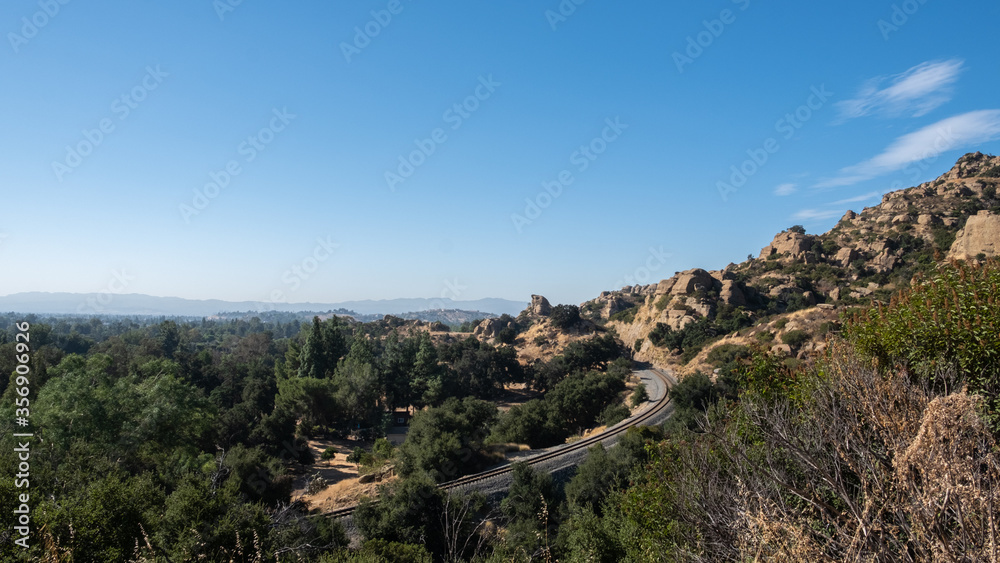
[981, 235]
[639, 289]
[971, 165]
[615, 304]
[794, 244]
[691, 281]
[664, 287]
[540, 306]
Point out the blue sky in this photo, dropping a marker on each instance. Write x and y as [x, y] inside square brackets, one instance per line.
[327, 151]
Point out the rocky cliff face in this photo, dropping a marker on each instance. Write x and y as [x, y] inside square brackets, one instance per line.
[808, 279]
[979, 237]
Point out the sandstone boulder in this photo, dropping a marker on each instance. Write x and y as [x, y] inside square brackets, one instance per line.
[731, 294]
[540, 306]
[614, 305]
[664, 287]
[884, 262]
[489, 328]
[700, 306]
[795, 244]
[692, 280]
[782, 349]
[845, 256]
[678, 318]
[981, 235]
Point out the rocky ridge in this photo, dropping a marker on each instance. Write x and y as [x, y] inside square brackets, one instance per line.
[800, 283]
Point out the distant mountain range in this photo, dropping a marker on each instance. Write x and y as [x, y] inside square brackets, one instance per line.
[137, 304]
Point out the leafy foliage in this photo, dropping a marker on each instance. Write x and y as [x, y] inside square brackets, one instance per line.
[447, 441]
[949, 319]
[565, 316]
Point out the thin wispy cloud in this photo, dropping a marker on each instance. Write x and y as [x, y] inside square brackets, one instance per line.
[960, 131]
[913, 93]
[816, 214]
[785, 189]
[865, 197]
[833, 209]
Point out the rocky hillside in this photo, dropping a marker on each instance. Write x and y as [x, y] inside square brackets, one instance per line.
[793, 293]
[541, 331]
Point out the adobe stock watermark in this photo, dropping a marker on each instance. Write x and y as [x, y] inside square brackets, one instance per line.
[249, 149]
[581, 158]
[562, 13]
[787, 127]
[714, 28]
[122, 107]
[643, 274]
[30, 26]
[225, 7]
[97, 304]
[363, 35]
[299, 272]
[455, 116]
[901, 14]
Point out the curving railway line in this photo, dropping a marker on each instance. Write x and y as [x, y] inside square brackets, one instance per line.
[652, 414]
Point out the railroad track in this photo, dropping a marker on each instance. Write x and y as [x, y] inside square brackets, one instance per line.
[620, 428]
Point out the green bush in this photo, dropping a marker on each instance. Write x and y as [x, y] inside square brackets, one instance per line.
[625, 315]
[943, 237]
[565, 316]
[639, 396]
[795, 338]
[993, 172]
[727, 353]
[662, 302]
[613, 414]
[948, 319]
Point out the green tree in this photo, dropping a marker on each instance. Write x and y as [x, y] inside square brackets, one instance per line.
[447, 441]
[531, 497]
[565, 316]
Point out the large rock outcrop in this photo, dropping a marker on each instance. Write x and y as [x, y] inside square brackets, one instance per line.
[731, 294]
[981, 235]
[794, 244]
[691, 281]
[489, 328]
[540, 306]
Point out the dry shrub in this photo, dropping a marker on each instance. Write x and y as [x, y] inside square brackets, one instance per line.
[860, 466]
[951, 471]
